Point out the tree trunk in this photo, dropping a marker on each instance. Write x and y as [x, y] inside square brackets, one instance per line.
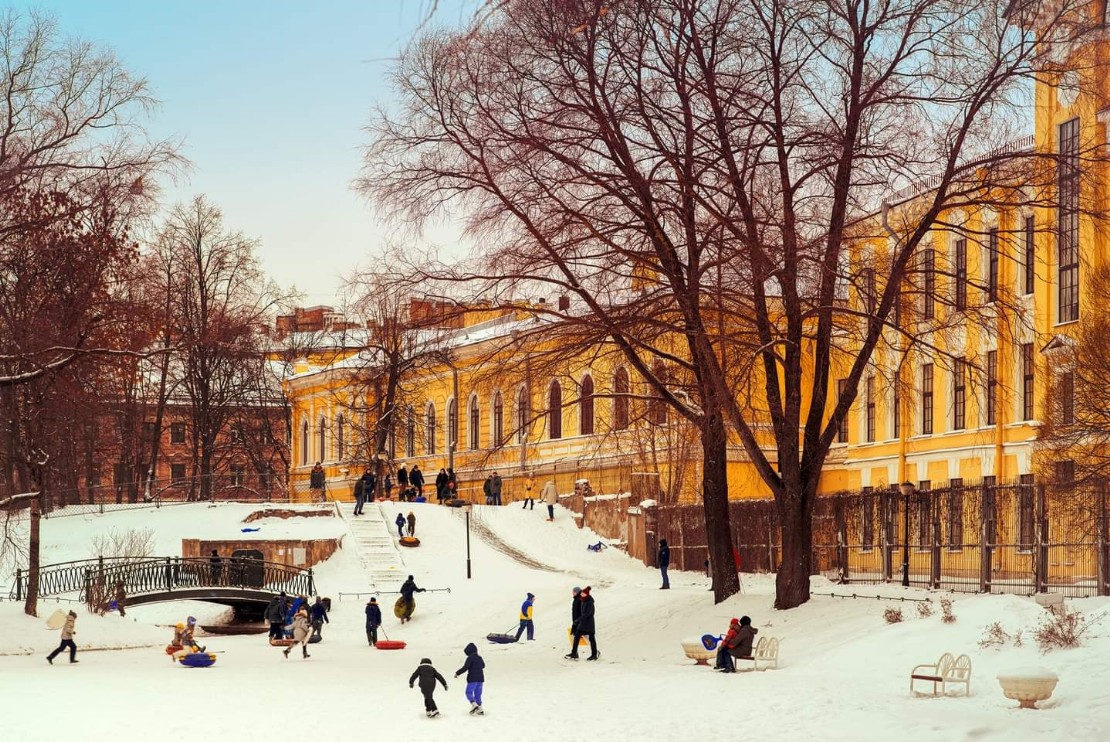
[718, 533]
[792, 582]
[31, 605]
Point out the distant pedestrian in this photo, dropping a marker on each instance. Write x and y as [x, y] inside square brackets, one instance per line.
[387, 486]
[68, 631]
[529, 492]
[575, 610]
[400, 521]
[550, 497]
[412, 523]
[317, 481]
[416, 480]
[318, 615]
[403, 478]
[452, 484]
[427, 675]
[526, 618]
[664, 562]
[441, 486]
[363, 490]
[301, 629]
[585, 626]
[275, 614]
[217, 566]
[474, 667]
[495, 488]
[487, 489]
[120, 597]
[373, 621]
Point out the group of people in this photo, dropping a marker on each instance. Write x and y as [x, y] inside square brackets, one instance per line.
[401, 522]
[368, 488]
[282, 615]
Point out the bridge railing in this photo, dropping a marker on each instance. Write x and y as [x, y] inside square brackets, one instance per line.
[95, 579]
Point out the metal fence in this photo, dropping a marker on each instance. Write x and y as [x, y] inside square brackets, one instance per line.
[1020, 537]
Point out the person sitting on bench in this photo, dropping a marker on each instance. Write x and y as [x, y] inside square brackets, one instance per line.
[736, 644]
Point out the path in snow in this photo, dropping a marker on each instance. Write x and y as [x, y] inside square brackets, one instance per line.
[484, 532]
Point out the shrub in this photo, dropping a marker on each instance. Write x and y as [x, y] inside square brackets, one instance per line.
[1018, 640]
[994, 636]
[946, 611]
[893, 615]
[131, 545]
[1061, 629]
[924, 609]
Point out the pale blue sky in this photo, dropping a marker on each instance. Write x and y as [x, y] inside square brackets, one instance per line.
[270, 97]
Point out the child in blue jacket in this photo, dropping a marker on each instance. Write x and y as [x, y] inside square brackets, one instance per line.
[474, 668]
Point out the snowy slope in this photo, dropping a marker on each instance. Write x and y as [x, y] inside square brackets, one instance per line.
[844, 670]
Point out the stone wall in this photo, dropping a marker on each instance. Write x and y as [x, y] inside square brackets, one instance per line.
[290, 552]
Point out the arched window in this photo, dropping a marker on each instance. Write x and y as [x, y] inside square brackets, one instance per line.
[522, 414]
[473, 430]
[430, 429]
[620, 399]
[410, 431]
[586, 407]
[555, 411]
[341, 437]
[304, 442]
[498, 421]
[657, 408]
[321, 439]
[452, 426]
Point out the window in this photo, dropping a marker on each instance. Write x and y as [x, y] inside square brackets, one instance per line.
[430, 429]
[473, 430]
[410, 431]
[620, 399]
[265, 434]
[1027, 366]
[1066, 390]
[340, 437]
[961, 274]
[522, 414]
[321, 439]
[924, 514]
[870, 409]
[555, 411]
[657, 408]
[237, 476]
[265, 478]
[929, 284]
[927, 399]
[959, 395]
[868, 288]
[1025, 512]
[177, 473]
[867, 508]
[956, 514]
[235, 433]
[498, 421]
[1029, 261]
[991, 401]
[304, 442]
[1065, 472]
[452, 426]
[842, 426]
[177, 432]
[992, 265]
[1067, 226]
[149, 431]
[586, 407]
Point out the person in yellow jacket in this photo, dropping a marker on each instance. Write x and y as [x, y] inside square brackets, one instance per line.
[526, 618]
[529, 493]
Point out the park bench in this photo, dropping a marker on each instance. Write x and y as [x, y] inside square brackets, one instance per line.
[946, 671]
[766, 652]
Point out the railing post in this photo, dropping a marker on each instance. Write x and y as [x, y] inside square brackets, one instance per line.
[986, 537]
[841, 540]
[937, 537]
[18, 585]
[887, 503]
[1040, 562]
[311, 583]
[1103, 560]
[169, 572]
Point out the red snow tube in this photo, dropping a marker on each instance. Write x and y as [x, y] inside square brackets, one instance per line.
[410, 541]
[281, 642]
[390, 644]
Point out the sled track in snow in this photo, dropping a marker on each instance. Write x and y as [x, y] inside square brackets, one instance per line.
[483, 532]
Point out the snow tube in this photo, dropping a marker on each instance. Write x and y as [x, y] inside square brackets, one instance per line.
[404, 608]
[410, 541]
[457, 502]
[390, 644]
[198, 659]
[502, 638]
[315, 638]
[281, 642]
[709, 641]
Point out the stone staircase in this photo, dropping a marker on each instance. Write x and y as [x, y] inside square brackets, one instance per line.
[379, 554]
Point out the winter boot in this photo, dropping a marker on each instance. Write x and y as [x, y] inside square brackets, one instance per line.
[50, 660]
[305, 654]
[593, 657]
[477, 711]
[571, 656]
[285, 652]
[433, 713]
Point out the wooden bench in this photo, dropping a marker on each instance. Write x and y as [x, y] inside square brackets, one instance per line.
[766, 651]
[946, 671]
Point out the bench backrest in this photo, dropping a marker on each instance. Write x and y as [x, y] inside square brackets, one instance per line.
[960, 669]
[767, 648]
[944, 664]
[760, 646]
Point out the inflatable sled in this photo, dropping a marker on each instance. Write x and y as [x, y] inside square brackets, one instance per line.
[404, 608]
[198, 659]
[457, 502]
[709, 641]
[502, 638]
[281, 642]
[410, 541]
[388, 643]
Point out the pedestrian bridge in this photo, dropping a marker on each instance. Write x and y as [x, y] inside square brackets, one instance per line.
[237, 582]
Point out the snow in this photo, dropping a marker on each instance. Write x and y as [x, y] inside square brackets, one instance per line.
[844, 671]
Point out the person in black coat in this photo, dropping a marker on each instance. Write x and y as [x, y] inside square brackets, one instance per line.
[474, 667]
[318, 616]
[584, 626]
[373, 621]
[427, 675]
[416, 480]
[407, 591]
[441, 486]
[664, 562]
[275, 614]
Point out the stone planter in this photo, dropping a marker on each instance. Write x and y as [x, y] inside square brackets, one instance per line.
[1027, 685]
[696, 651]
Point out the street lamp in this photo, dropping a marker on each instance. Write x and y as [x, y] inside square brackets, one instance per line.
[906, 488]
[466, 509]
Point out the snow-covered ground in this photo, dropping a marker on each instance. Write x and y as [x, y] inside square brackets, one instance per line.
[844, 672]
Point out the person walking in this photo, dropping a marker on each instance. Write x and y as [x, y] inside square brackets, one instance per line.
[412, 523]
[68, 631]
[318, 616]
[495, 488]
[275, 614]
[529, 492]
[664, 562]
[217, 566]
[301, 629]
[120, 597]
[416, 480]
[585, 626]
[526, 618]
[373, 621]
[474, 667]
[408, 591]
[400, 522]
[550, 497]
[441, 486]
[427, 675]
[361, 491]
[403, 478]
[317, 481]
[575, 611]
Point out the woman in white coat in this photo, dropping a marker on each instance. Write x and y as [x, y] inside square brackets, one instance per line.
[301, 629]
[550, 497]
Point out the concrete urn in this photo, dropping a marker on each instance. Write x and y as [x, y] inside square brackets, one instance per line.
[696, 651]
[1027, 685]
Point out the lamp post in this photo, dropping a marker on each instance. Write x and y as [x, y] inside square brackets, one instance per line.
[906, 488]
[466, 509]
